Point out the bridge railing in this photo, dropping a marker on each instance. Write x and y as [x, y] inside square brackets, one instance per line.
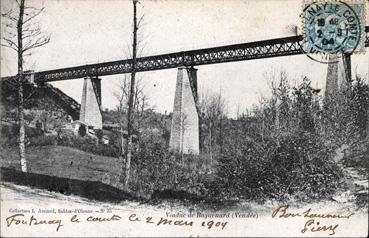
[237, 52]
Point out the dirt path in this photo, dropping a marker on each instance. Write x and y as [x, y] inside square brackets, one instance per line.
[246, 219]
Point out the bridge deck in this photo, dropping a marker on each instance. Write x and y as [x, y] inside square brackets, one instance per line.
[238, 52]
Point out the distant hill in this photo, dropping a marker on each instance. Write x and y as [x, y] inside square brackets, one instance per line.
[33, 93]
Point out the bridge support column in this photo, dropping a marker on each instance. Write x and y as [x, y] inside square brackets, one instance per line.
[184, 136]
[91, 103]
[338, 74]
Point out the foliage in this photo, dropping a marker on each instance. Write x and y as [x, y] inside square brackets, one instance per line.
[99, 134]
[297, 165]
[213, 109]
[82, 130]
[345, 116]
[22, 34]
[359, 106]
[282, 149]
[44, 140]
[9, 133]
[286, 146]
[155, 169]
[88, 144]
[139, 104]
[278, 151]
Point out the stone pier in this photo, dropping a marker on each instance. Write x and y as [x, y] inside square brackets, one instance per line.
[338, 74]
[91, 103]
[184, 136]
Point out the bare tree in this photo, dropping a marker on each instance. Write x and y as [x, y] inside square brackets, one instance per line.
[22, 34]
[140, 102]
[132, 101]
[128, 151]
[213, 110]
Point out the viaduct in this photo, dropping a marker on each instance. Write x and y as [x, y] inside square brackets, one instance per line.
[185, 122]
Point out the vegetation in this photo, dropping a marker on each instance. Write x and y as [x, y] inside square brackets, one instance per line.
[82, 130]
[64, 162]
[22, 35]
[284, 148]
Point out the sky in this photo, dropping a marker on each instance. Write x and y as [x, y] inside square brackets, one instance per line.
[92, 31]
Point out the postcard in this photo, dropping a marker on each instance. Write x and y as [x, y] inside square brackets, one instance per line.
[174, 118]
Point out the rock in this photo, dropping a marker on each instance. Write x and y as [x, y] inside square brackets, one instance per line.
[340, 153]
[344, 197]
[361, 183]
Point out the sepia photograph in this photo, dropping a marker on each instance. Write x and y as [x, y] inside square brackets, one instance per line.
[184, 118]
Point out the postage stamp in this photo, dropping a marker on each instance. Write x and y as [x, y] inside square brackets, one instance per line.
[334, 27]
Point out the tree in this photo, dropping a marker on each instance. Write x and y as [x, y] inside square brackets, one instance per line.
[139, 106]
[346, 114]
[128, 151]
[82, 130]
[281, 96]
[360, 106]
[213, 110]
[22, 35]
[140, 103]
[305, 106]
[99, 135]
[50, 114]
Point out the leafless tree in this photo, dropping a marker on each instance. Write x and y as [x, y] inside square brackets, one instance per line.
[131, 97]
[140, 102]
[22, 34]
[213, 109]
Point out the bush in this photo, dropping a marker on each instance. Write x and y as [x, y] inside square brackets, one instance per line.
[10, 134]
[154, 169]
[297, 166]
[88, 144]
[99, 134]
[43, 140]
[280, 151]
[82, 130]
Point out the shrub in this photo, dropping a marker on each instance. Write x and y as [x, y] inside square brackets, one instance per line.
[82, 130]
[43, 140]
[154, 169]
[31, 132]
[280, 151]
[88, 144]
[99, 134]
[10, 133]
[297, 166]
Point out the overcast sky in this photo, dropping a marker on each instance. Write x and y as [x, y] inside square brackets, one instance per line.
[91, 31]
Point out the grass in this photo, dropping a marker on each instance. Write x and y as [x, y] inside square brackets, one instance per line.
[65, 162]
[72, 164]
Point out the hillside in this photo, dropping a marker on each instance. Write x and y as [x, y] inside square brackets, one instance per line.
[64, 162]
[33, 94]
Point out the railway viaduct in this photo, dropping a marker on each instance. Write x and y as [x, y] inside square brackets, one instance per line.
[185, 121]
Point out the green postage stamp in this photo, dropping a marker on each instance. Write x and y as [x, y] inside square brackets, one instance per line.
[334, 26]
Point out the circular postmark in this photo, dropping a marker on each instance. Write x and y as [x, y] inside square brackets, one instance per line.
[331, 28]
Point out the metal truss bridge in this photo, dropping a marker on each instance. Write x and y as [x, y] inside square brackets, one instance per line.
[237, 52]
